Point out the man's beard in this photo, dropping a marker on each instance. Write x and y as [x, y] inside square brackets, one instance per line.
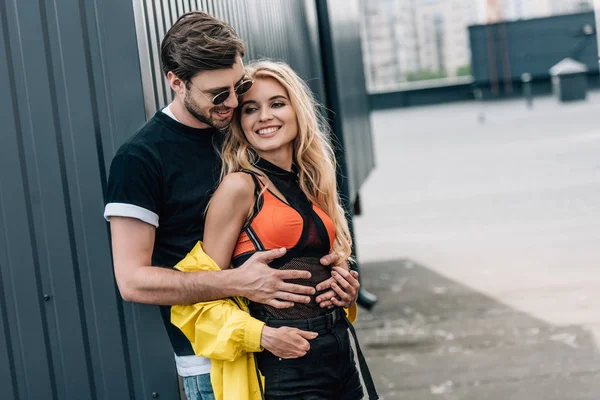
[193, 109]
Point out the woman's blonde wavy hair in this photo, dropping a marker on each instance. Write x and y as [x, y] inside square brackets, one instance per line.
[313, 153]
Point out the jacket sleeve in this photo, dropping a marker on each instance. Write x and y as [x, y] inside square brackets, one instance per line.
[219, 329]
[352, 312]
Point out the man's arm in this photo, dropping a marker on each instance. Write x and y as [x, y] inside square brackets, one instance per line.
[140, 282]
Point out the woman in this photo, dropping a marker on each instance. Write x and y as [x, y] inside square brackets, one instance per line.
[279, 190]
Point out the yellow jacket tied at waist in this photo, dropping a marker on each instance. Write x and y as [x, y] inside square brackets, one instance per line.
[224, 331]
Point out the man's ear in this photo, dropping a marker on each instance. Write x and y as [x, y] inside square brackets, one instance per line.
[176, 84]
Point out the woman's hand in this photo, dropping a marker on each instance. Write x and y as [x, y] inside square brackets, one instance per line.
[286, 342]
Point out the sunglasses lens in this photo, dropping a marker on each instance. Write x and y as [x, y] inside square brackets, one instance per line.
[240, 90]
[220, 98]
[243, 87]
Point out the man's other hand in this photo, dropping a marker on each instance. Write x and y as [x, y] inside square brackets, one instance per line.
[260, 283]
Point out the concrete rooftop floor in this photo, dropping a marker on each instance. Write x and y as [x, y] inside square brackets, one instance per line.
[482, 241]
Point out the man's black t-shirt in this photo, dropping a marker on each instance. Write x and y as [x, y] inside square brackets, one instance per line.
[164, 175]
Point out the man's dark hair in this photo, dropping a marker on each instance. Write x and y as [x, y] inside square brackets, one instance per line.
[199, 42]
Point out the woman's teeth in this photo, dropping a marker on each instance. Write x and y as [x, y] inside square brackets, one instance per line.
[267, 131]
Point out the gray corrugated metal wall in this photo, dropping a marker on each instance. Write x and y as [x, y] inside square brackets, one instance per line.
[65, 103]
[347, 96]
[71, 90]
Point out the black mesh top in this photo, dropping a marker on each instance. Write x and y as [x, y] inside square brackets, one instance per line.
[314, 243]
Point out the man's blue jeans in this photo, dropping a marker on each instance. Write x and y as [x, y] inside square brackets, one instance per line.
[198, 387]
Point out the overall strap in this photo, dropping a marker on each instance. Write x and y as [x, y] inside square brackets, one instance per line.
[260, 385]
[258, 190]
[364, 369]
[258, 185]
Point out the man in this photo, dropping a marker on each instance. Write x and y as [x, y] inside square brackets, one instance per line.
[160, 183]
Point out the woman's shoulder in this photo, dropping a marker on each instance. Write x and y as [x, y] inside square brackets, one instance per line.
[237, 185]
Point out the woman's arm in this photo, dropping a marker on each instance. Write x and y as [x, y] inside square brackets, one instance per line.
[227, 213]
[219, 329]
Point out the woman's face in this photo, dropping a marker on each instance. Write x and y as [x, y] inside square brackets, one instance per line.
[267, 117]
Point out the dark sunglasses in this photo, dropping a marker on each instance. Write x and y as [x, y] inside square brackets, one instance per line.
[240, 89]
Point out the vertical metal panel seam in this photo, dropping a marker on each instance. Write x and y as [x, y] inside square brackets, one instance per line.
[158, 23]
[233, 19]
[155, 46]
[285, 32]
[31, 228]
[139, 351]
[167, 14]
[7, 337]
[329, 72]
[164, 27]
[94, 98]
[150, 54]
[226, 11]
[220, 10]
[103, 178]
[173, 10]
[3, 304]
[271, 31]
[119, 303]
[246, 30]
[278, 31]
[143, 54]
[65, 190]
[276, 26]
[3, 308]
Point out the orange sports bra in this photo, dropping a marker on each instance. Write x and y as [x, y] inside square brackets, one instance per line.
[304, 229]
[276, 224]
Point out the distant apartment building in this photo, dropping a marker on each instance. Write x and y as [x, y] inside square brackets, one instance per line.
[389, 41]
[413, 40]
[406, 41]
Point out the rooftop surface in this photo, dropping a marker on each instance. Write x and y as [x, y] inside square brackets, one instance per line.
[482, 241]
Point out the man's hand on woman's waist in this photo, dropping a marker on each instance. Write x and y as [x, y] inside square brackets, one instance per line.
[260, 283]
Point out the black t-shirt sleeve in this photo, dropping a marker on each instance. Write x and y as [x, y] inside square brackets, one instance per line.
[134, 188]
